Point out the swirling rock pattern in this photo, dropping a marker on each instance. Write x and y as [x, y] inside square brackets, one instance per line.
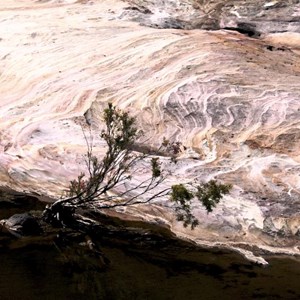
[231, 99]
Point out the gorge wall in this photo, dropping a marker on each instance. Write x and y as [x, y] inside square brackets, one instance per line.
[222, 77]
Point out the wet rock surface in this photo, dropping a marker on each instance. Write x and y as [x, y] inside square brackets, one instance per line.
[127, 259]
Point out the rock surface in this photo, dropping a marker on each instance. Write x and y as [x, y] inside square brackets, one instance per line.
[222, 77]
[22, 225]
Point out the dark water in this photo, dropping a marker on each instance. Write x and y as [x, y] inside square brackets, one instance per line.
[141, 267]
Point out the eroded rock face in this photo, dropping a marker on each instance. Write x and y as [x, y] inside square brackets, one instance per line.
[252, 18]
[230, 96]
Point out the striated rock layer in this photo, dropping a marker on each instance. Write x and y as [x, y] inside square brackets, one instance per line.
[230, 95]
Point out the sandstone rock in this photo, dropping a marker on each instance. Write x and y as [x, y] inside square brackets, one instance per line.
[252, 18]
[22, 225]
[232, 96]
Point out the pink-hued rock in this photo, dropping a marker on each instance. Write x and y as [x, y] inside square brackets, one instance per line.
[231, 99]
